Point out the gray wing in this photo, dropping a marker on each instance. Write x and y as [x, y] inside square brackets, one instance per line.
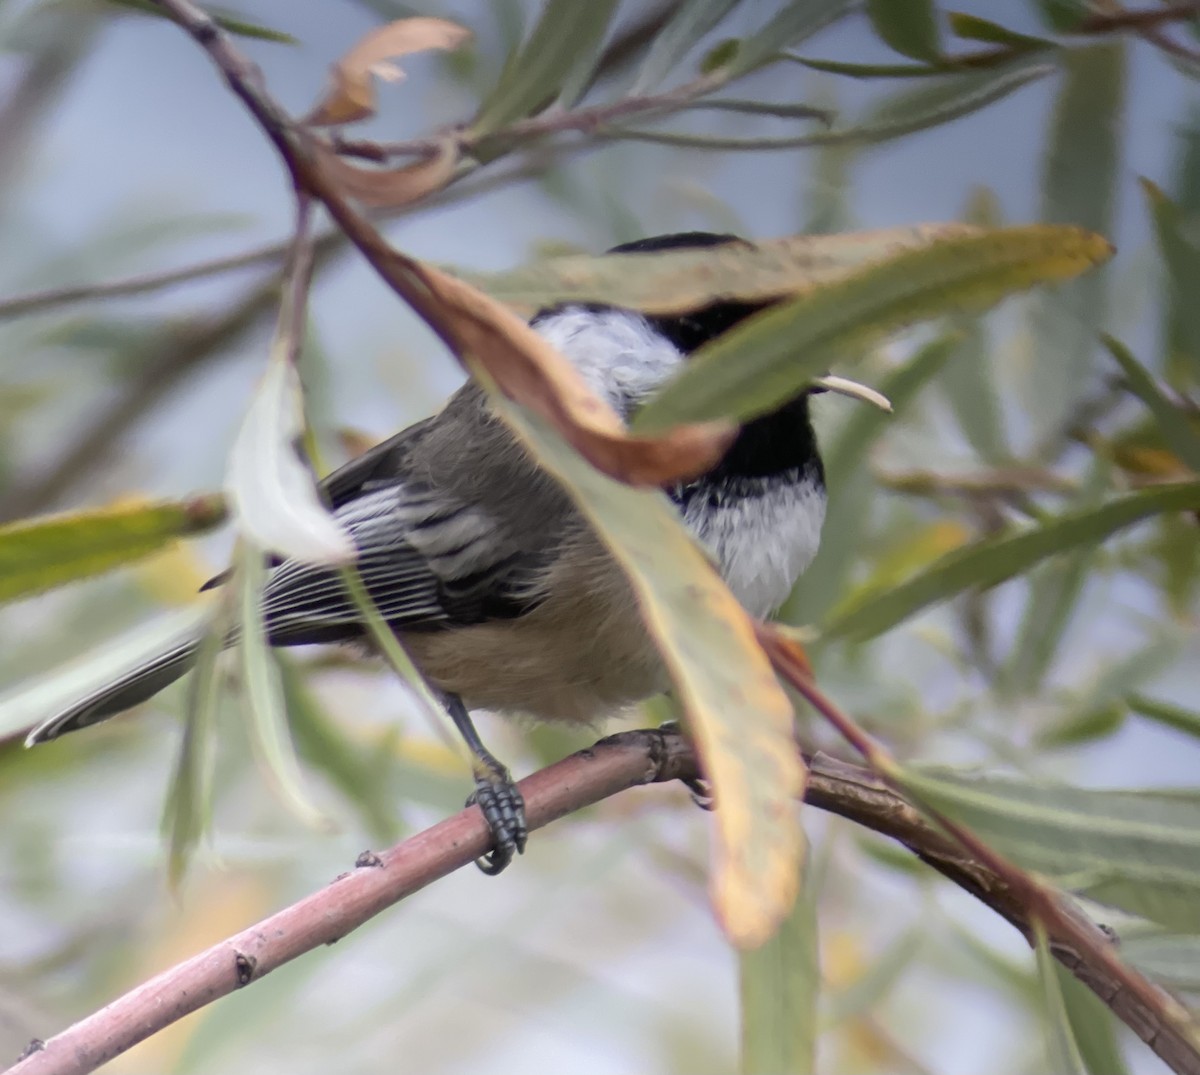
[427, 559]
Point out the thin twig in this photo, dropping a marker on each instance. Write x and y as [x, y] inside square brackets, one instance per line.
[1147, 18]
[173, 356]
[589, 120]
[611, 766]
[271, 253]
[1001, 481]
[1155, 1016]
[1150, 25]
[142, 283]
[326, 916]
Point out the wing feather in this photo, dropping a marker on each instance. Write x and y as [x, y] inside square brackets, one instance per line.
[426, 560]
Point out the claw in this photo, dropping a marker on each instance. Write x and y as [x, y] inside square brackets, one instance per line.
[504, 811]
[702, 794]
[495, 794]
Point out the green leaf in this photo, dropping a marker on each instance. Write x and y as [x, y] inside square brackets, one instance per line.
[974, 28]
[737, 713]
[908, 26]
[1063, 16]
[1174, 424]
[1085, 726]
[969, 381]
[1180, 253]
[827, 190]
[587, 53]
[969, 385]
[40, 553]
[945, 98]
[264, 693]
[187, 811]
[990, 562]
[565, 40]
[691, 20]
[767, 360]
[941, 99]
[360, 773]
[1176, 563]
[779, 985]
[1062, 1053]
[760, 108]
[1166, 714]
[1054, 591]
[1136, 850]
[229, 21]
[1081, 167]
[869, 70]
[796, 21]
[1091, 1024]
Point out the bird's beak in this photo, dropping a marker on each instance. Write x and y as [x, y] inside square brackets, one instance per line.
[845, 387]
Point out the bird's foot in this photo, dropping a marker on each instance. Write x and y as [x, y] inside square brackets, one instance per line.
[504, 811]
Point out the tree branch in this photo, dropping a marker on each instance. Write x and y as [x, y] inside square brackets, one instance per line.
[611, 766]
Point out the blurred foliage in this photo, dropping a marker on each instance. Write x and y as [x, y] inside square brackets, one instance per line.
[1064, 428]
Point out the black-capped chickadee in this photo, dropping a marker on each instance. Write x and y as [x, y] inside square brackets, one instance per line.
[493, 581]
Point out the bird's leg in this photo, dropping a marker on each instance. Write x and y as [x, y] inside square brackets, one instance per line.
[495, 794]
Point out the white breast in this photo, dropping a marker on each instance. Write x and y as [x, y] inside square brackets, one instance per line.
[761, 543]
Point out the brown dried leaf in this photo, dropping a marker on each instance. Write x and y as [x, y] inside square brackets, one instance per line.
[392, 187]
[351, 93]
[526, 368]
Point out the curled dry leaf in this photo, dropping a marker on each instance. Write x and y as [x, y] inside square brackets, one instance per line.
[351, 93]
[526, 368]
[392, 187]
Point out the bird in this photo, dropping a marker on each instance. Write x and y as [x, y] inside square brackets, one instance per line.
[489, 575]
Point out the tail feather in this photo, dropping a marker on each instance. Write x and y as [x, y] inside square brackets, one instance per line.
[129, 689]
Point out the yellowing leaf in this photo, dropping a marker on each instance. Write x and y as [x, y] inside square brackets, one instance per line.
[51, 550]
[679, 280]
[736, 712]
[175, 575]
[351, 94]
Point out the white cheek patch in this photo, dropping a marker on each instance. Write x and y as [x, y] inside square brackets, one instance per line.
[622, 358]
